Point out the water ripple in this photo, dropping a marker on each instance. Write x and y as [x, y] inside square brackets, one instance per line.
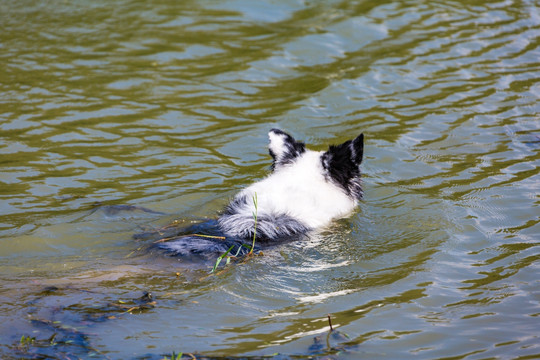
[167, 105]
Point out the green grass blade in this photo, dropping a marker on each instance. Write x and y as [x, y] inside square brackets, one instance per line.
[255, 227]
[221, 258]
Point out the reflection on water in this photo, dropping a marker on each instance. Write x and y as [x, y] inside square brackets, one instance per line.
[109, 109]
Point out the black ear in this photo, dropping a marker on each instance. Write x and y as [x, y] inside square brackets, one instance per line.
[342, 162]
[283, 148]
[357, 149]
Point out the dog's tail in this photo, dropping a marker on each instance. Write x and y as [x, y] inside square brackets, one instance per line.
[268, 227]
[200, 240]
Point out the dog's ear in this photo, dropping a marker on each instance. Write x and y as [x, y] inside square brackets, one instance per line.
[357, 149]
[350, 152]
[342, 162]
[283, 148]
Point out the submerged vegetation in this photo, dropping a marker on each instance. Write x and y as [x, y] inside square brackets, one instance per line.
[68, 333]
[174, 356]
[62, 332]
[251, 248]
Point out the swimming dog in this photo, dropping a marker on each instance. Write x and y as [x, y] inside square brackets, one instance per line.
[305, 191]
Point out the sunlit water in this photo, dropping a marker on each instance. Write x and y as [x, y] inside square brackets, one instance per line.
[166, 105]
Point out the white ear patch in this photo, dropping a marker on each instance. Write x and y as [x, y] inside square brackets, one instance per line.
[283, 148]
[277, 144]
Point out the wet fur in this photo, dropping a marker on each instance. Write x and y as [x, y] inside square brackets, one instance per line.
[306, 190]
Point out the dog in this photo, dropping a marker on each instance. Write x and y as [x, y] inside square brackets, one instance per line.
[305, 191]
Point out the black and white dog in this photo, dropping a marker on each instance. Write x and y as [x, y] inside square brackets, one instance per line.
[306, 190]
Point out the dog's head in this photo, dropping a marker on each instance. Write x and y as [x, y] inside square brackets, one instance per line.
[340, 163]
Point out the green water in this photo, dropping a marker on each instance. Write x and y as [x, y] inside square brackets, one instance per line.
[166, 105]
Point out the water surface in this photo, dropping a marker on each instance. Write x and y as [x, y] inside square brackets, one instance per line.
[166, 105]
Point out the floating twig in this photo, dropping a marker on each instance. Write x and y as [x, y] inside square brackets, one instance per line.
[189, 235]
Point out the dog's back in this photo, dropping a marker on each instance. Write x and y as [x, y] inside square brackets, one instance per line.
[305, 191]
